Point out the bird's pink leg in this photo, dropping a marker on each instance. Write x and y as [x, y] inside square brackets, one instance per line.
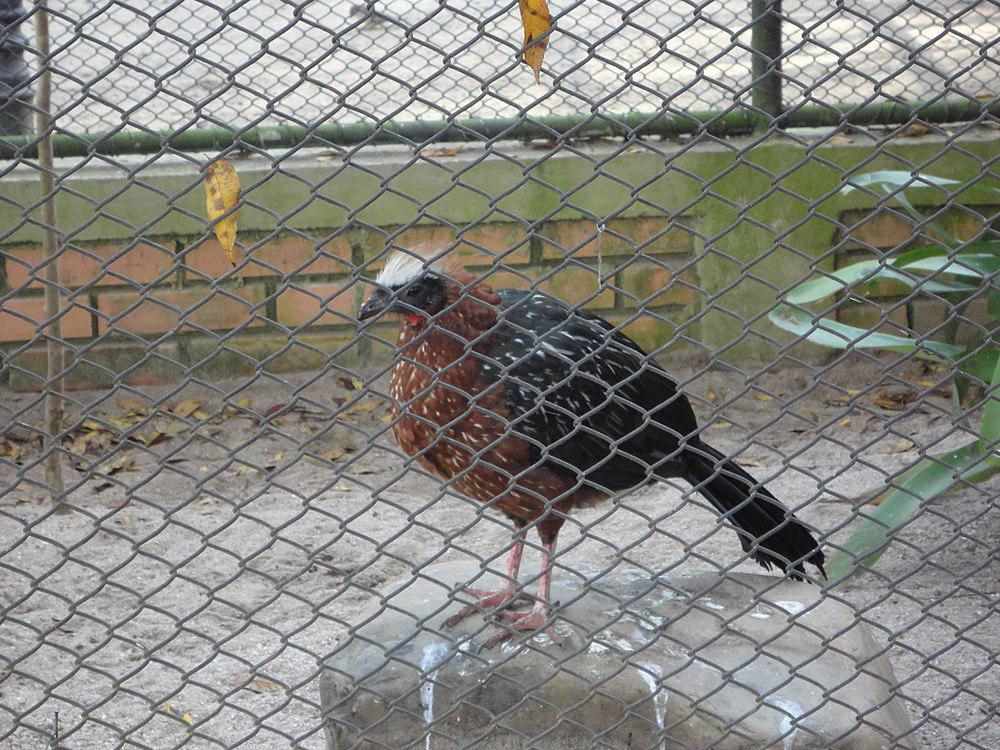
[486, 599]
[539, 615]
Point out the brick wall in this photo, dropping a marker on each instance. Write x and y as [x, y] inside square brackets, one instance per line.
[745, 226]
[154, 311]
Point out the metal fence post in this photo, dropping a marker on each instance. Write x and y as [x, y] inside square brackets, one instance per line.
[15, 96]
[765, 41]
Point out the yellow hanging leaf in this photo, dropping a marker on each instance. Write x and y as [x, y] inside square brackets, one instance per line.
[537, 22]
[222, 192]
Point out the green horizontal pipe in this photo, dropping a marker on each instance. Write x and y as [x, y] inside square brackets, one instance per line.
[733, 122]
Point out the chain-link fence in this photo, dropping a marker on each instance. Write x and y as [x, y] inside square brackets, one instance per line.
[243, 501]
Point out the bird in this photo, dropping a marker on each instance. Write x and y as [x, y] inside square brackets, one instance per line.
[534, 407]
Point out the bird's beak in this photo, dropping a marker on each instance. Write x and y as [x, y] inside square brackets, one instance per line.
[375, 304]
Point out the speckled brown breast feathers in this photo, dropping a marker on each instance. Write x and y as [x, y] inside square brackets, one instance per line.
[454, 422]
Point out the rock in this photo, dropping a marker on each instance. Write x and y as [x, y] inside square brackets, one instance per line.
[643, 663]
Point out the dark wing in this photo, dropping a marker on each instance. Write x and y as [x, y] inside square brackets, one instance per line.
[589, 399]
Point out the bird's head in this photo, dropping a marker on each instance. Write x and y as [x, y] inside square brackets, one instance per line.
[412, 286]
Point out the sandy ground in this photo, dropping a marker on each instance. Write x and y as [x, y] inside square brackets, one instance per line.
[234, 552]
[169, 65]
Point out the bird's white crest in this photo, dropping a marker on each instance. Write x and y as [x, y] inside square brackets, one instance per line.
[403, 267]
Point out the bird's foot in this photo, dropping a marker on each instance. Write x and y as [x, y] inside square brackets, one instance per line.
[484, 599]
[535, 619]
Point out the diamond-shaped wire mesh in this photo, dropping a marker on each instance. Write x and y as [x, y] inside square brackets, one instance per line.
[257, 543]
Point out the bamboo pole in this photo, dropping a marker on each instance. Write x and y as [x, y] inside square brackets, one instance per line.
[50, 244]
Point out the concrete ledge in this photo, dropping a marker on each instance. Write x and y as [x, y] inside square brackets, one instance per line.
[685, 661]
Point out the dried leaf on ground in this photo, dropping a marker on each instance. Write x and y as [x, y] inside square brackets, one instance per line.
[173, 427]
[337, 451]
[186, 408]
[156, 437]
[116, 464]
[87, 439]
[258, 685]
[351, 383]
[897, 446]
[128, 406]
[12, 451]
[895, 400]
[537, 22]
[222, 193]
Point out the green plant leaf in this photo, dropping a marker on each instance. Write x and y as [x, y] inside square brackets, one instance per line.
[836, 335]
[981, 364]
[974, 249]
[868, 271]
[814, 289]
[893, 178]
[928, 479]
[975, 265]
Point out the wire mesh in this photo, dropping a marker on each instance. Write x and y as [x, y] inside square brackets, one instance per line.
[246, 512]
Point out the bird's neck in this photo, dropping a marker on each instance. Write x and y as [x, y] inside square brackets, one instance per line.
[454, 333]
[443, 352]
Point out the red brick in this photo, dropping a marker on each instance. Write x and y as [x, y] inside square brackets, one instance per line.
[143, 263]
[76, 323]
[581, 239]
[286, 255]
[575, 284]
[887, 229]
[318, 304]
[572, 285]
[216, 309]
[881, 230]
[502, 244]
[654, 285]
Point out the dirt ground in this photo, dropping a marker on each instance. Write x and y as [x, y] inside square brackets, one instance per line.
[199, 581]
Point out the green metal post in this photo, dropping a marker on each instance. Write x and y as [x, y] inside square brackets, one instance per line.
[765, 41]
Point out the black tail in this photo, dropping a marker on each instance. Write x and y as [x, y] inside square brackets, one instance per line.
[764, 525]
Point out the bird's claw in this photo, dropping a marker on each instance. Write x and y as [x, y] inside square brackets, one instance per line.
[535, 619]
[484, 599]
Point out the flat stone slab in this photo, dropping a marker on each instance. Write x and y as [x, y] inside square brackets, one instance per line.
[685, 661]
